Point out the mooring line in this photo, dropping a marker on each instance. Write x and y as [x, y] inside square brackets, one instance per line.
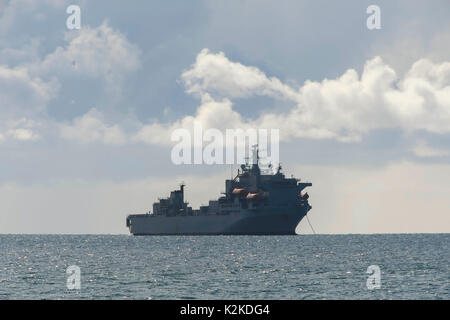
[310, 224]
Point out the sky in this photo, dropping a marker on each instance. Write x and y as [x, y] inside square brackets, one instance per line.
[86, 114]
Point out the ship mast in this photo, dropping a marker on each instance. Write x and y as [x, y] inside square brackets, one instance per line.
[255, 154]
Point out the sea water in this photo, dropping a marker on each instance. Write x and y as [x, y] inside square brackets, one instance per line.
[411, 266]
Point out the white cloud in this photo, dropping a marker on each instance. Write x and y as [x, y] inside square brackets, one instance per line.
[214, 73]
[344, 108]
[27, 53]
[23, 94]
[423, 150]
[22, 134]
[22, 129]
[94, 52]
[26, 90]
[91, 127]
[211, 114]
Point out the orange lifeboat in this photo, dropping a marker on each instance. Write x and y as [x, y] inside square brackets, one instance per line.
[239, 191]
[253, 196]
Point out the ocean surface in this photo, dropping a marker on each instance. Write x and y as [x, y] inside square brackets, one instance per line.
[412, 266]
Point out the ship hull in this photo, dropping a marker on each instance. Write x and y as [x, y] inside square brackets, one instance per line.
[256, 222]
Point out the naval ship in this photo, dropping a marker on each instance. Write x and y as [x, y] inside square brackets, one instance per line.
[254, 203]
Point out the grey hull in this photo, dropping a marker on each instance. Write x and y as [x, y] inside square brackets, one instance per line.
[282, 222]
